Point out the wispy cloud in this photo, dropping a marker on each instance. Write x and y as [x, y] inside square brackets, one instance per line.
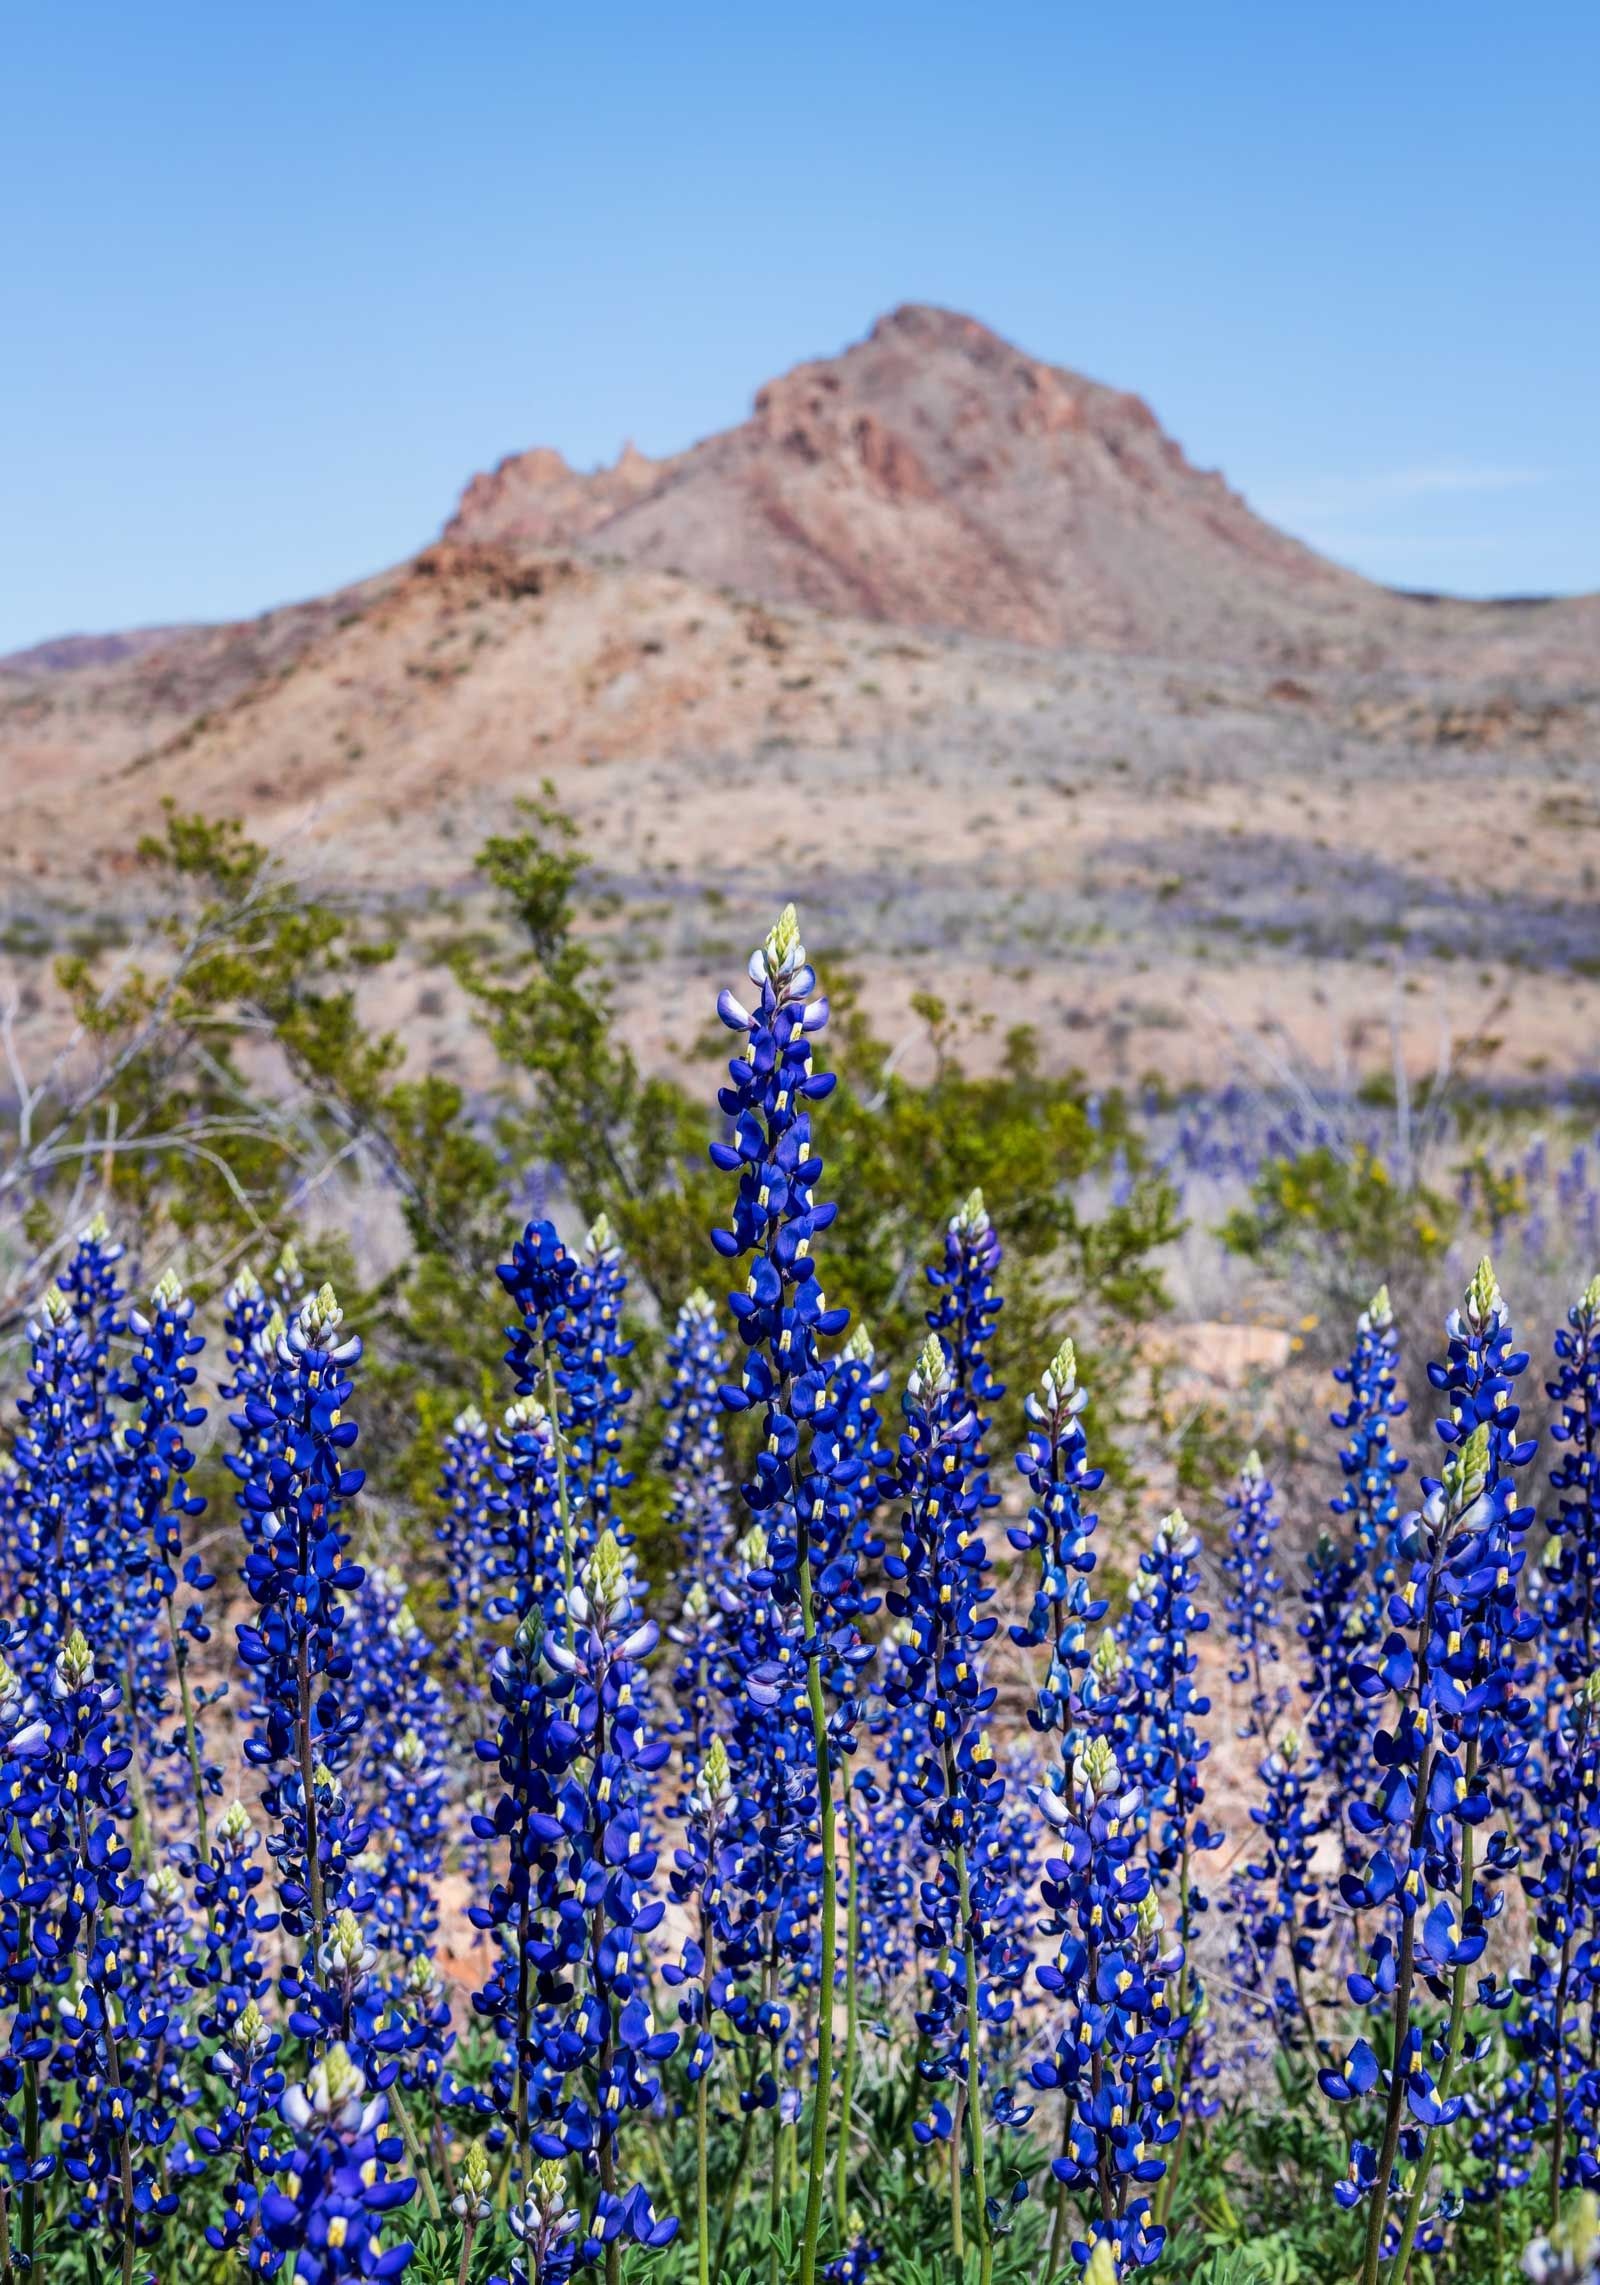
[1323, 498]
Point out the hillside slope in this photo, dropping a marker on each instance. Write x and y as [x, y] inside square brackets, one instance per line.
[949, 644]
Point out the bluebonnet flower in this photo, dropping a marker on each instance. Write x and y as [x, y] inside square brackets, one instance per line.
[570, 1991]
[854, 2265]
[1570, 1570]
[92, 1284]
[1455, 1736]
[535, 1744]
[64, 1508]
[1277, 1896]
[1252, 1602]
[1350, 1578]
[153, 1460]
[549, 2228]
[706, 1874]
[329, 2201]
[1553, 2092]
[693, 1457]
[228, 1967]
[401, 1779]
[465, 1534]
[305, 1715]
[253, 1327]
[767, 1937]
[964, 1318]
[529, 1565]
[607, 2046]
[1164, 1750]
[1110, 1980]
[471, 2203]
[34, 1874]
[247, 2132]
[850, 1474]
[1007, 1867]
[1370, 1464]
[68, 1803]
[939, 1589]
[596, 1395]
[553, 2239]
[547, 1357]
[782, 1315]
[1054, 1463]
[1339, 1639]
[890, 1865]
[565, 1354]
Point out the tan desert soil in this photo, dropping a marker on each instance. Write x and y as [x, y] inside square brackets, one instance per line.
[954, 647]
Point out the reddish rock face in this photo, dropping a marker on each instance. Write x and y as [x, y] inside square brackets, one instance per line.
[937, 477]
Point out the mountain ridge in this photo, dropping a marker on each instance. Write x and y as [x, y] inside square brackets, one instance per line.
[958, 648]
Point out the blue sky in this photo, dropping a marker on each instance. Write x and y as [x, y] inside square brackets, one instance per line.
[277, 280]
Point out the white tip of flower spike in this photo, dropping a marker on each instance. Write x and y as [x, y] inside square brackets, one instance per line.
[1061, 1378]
[74, 1663]
[320, 1315]
[931, 1374]
[971, 1217]
[604, 1571]
[783, 949]
[1484, 1301]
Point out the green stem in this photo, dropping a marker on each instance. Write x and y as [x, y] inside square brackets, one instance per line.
[775, 2194]
[419, 2161]
[1180, 2061]
[974, 2072]
[113, 2070]
[30, 2091]
[30, 2189]
[1458, 2024]
[740, 2161]
[1400, 2023]
[141, 1798]
[1058, 2226]
[308, 1786]
[191, 1738]
[602, 1992]
[1558, 2136]
[702, 2181]
[852, 2020]
[552, 1398]
[818, 2169]
[469, 2231]
[524, 2010]
[958, 2227]
[1563, 1984]
[701, 2101]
